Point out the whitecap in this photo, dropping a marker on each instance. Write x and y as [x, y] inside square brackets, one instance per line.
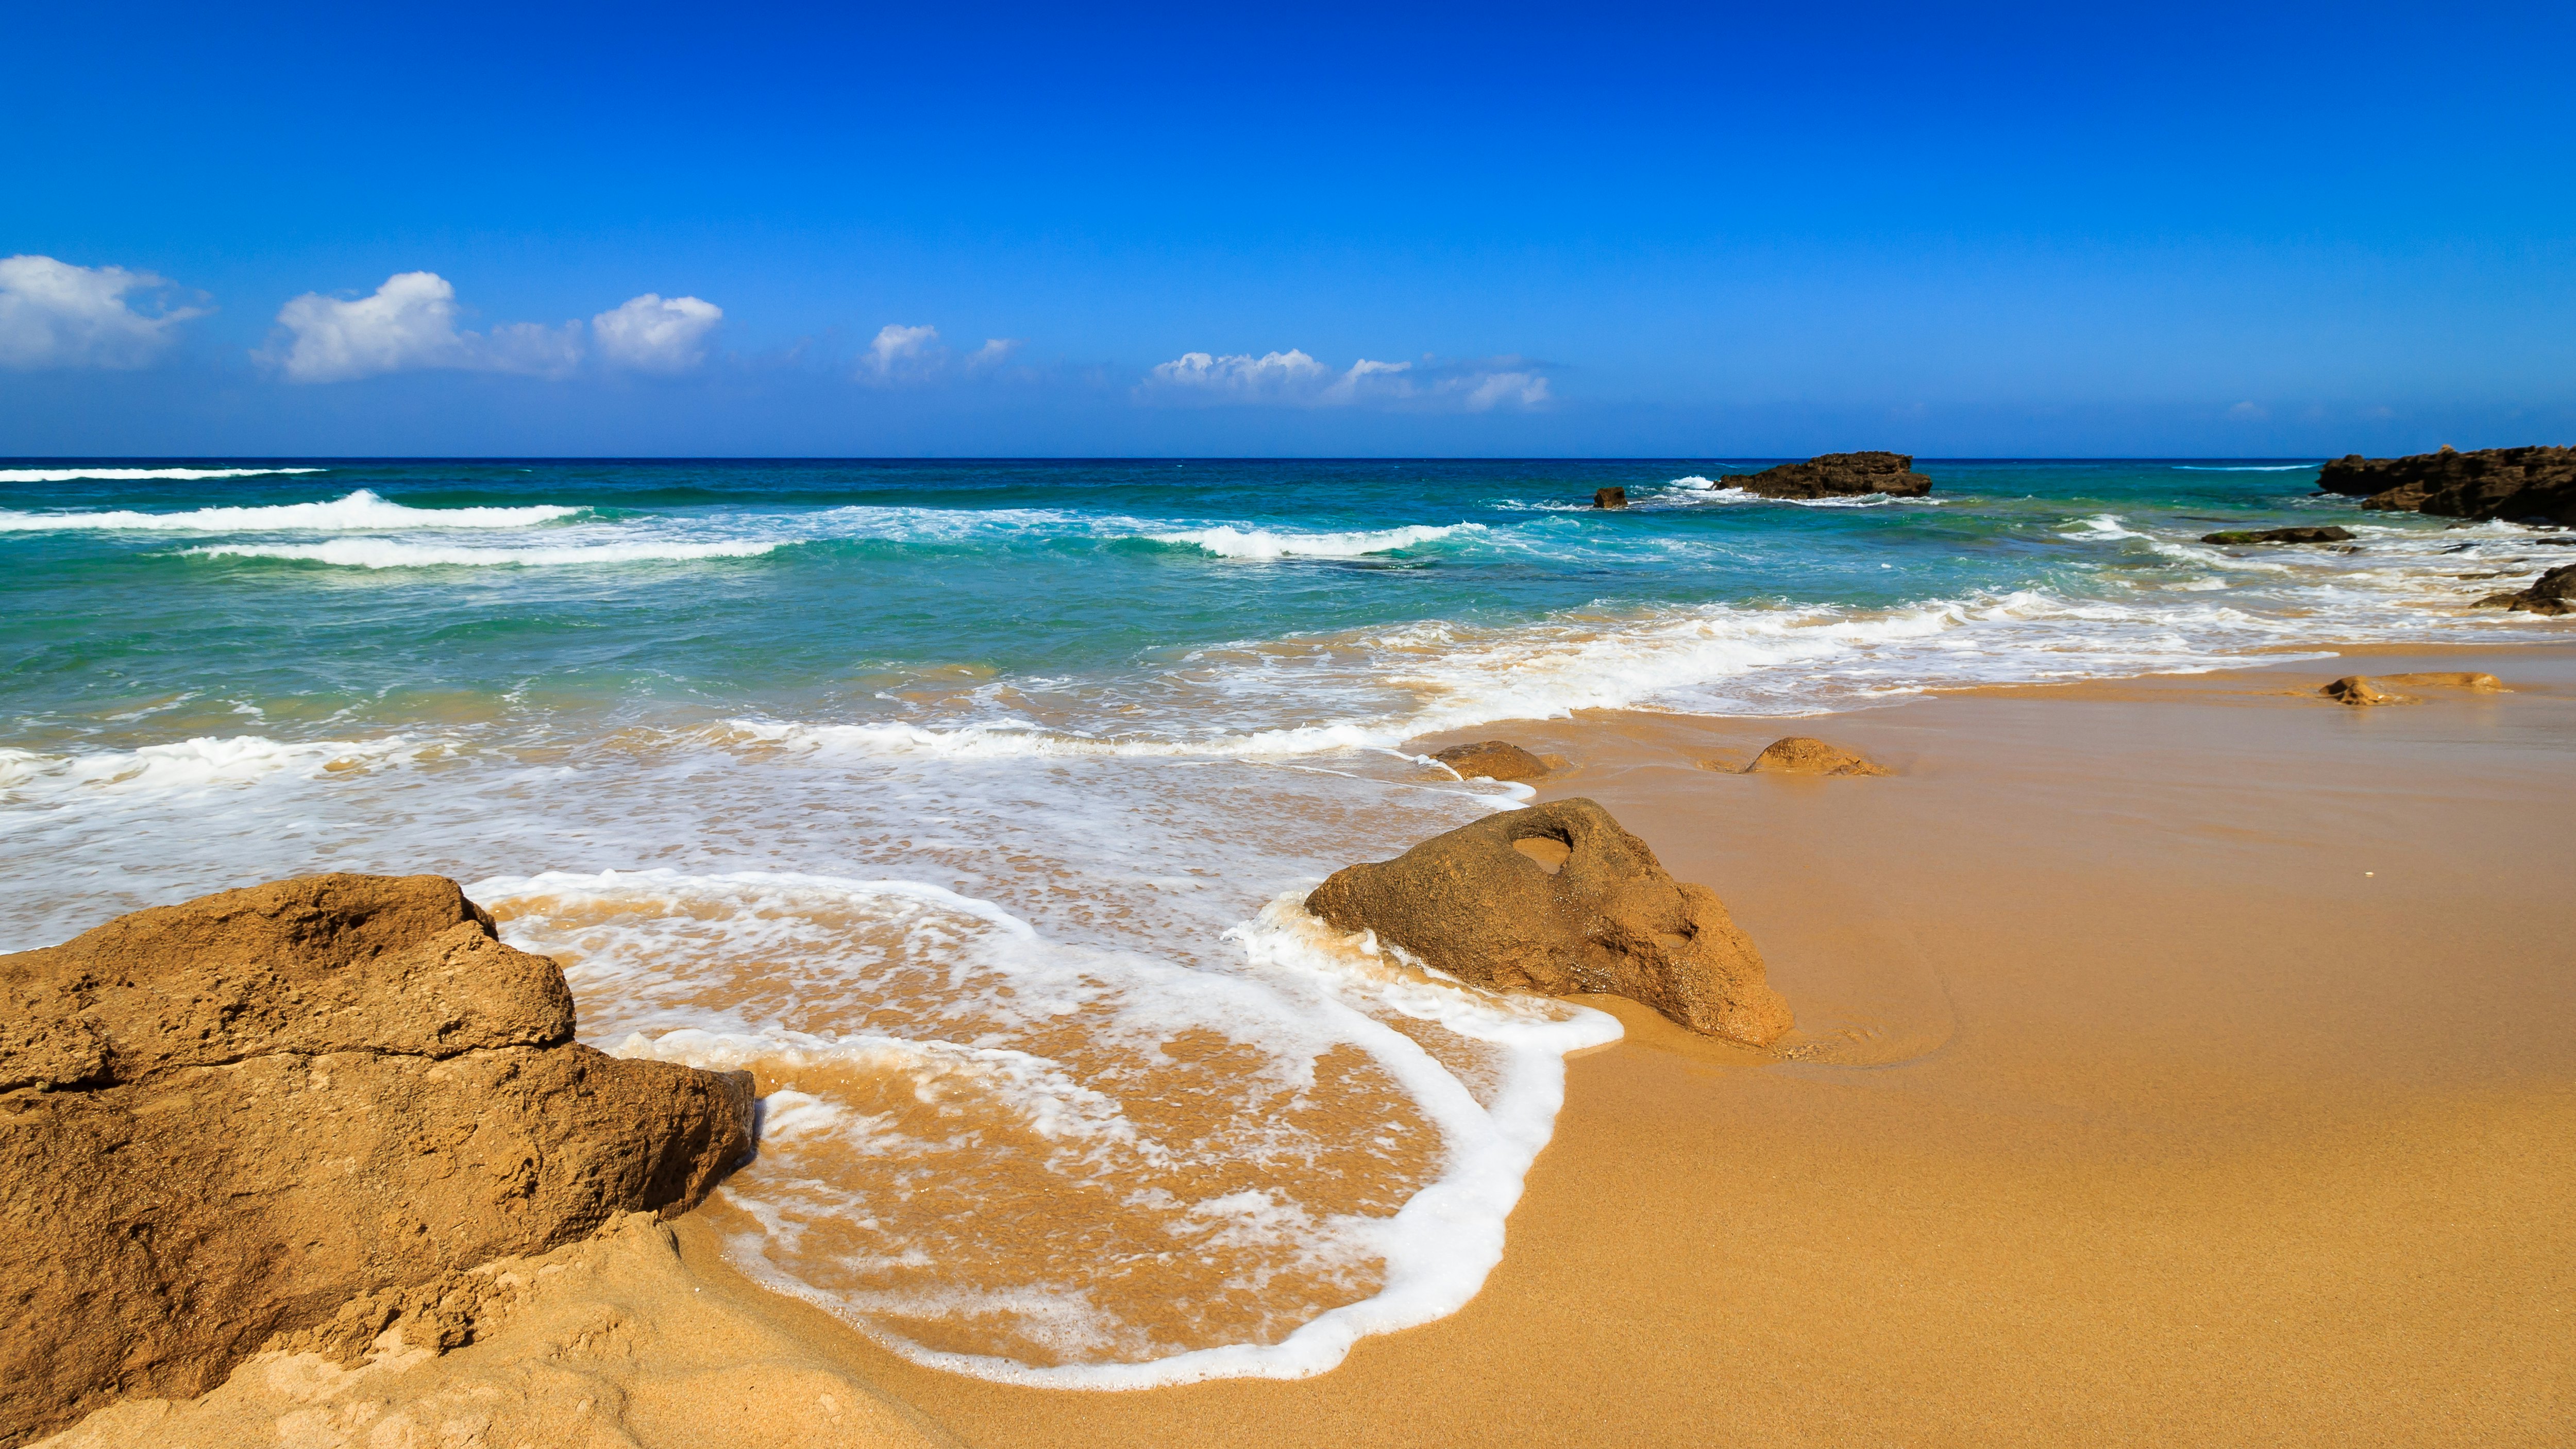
[361, 510]
[1719, 492]
[68, 475]
[1227, 541]
[386, 553]
[191, 766]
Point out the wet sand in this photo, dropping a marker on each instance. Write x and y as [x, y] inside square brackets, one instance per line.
[2181, 1060]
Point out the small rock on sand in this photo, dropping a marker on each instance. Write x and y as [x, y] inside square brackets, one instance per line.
[1799, 755]
[2357, 689]
[1493, 760]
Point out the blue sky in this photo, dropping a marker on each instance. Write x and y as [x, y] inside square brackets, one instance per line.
[1721, 231]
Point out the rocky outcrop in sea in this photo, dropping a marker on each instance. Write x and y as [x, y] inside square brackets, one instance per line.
[2553, 593]
[2518, 485]
[222, 1121]
[1837, 475]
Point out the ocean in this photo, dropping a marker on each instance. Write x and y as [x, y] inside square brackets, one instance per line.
[968, 804]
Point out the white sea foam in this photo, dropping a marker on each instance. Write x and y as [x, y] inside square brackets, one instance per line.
[1064, 1200]
[2242, 467]
[67, 475]
[361, 510]
[189, 767]
[1018, 740]
[2100, 526]
[1227, 541]
[386, 553]
[1705, 490]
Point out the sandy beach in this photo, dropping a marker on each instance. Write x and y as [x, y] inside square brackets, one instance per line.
[2183, 1059]
[2180, 1059]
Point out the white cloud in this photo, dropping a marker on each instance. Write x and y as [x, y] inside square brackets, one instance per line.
[653, 333]
[900, 349]
[1289, 376]
[1294, 379]
[994, 352]
[1506, 389]
[2249, 412]
[410, 322]
[54, 314]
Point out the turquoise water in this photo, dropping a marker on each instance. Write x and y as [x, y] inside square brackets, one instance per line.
[1159, 599]
[970, 804]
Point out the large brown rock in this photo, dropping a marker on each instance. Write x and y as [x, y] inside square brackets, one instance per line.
[225, 1119]
[2517, 484]
[1837, 475]
[1558, 899]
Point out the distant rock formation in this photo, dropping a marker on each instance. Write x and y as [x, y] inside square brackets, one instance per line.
[2327, 534]
[1837, 475]
[225, 1119]
[1558, 899]
[2554, 593]
[1492, 760]
[1609, 497]
[1799, 755]
[2514, 484]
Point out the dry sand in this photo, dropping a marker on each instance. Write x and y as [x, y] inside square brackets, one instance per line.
[2181, 1061]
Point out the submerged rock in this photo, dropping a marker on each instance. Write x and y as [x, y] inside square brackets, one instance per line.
[2327, 534]
[2552, 594]
[1558, 899]
[1609, 497]
[1492, 760]
[2471, 680]
[1837, 475]
[2508, 483]
[1799, 755]
[224, 1119]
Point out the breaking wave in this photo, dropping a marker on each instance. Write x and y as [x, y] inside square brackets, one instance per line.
[69, 475]
[1227, 541]
[362, 510]
[384, 553]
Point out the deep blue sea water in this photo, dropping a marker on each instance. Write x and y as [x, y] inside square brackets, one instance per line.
[951, 797]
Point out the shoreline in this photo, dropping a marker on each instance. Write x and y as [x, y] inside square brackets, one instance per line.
[2027, 1208]
[2124, 1107]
